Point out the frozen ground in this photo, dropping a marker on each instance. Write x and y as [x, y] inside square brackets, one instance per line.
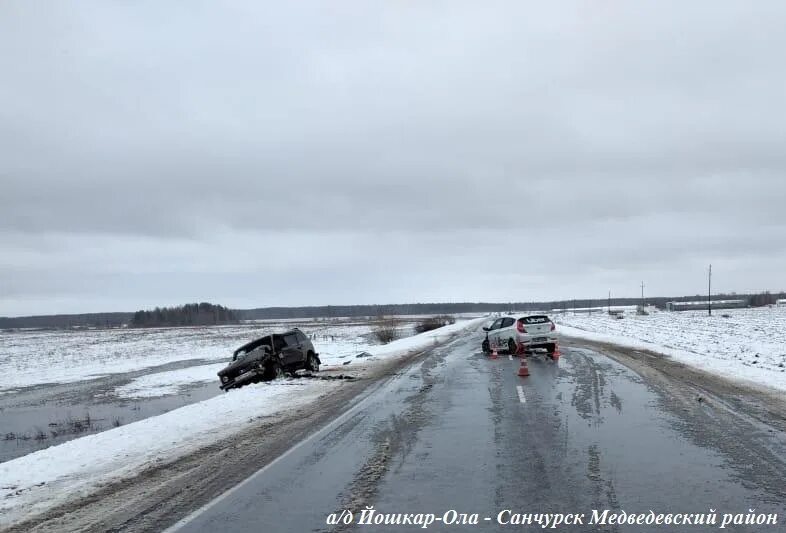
[748, 345]
[43, 479]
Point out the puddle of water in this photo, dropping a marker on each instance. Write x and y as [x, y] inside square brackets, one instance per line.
[30, 428]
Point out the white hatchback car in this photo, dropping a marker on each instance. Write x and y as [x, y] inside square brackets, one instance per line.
[521, 335]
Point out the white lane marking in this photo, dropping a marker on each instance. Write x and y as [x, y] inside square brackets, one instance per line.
[520, 390]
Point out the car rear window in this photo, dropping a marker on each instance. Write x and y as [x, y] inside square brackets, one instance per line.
[541, 319]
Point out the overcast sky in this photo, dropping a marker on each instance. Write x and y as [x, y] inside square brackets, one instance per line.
[293, 153]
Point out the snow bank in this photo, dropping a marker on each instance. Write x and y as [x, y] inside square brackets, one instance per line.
[41, 480]
[422, 341]
[749, 345]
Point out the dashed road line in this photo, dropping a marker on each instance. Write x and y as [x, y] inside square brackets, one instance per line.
[520, 390]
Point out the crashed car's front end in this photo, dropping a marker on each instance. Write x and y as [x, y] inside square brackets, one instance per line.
[238, 373]
[247, 366]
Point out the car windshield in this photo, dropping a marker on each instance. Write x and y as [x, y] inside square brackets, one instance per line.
[243, 350]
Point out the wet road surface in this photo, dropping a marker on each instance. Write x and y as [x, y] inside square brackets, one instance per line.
[461, 431]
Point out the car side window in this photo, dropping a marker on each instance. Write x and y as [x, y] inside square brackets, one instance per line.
[291, 339]
[507, 322]
[496, 324]
[301, 336]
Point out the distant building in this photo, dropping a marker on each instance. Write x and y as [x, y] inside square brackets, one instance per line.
[702, 305]
[781, 302]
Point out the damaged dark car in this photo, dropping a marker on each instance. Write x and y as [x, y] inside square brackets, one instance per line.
[268, 358]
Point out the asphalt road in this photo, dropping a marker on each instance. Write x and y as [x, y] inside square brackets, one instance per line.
[459, 431]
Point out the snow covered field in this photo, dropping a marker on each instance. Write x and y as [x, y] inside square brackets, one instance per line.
[43, 479]
[62, 356]
[749, 345]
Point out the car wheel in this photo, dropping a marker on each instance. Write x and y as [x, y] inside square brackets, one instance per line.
[273, 370]
[485, 346]
[312, 363]
[512, 347]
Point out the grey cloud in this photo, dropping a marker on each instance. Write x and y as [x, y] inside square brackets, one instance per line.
[413, 146]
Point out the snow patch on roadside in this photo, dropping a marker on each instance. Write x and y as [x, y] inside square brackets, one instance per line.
[169, 382]
[749, 345]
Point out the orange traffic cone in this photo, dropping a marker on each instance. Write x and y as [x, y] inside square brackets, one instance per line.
[494, 353]
[556, 353]
[523, 369]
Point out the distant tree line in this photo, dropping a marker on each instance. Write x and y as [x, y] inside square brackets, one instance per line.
[201, 314]
[86, 320]
[753, 300]
[227, 316]
[765, 298]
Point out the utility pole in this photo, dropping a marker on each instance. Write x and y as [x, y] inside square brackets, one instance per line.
[609, 309]
[709, 292]
[642, 294]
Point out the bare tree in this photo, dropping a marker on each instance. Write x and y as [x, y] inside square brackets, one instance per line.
[386, 329]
